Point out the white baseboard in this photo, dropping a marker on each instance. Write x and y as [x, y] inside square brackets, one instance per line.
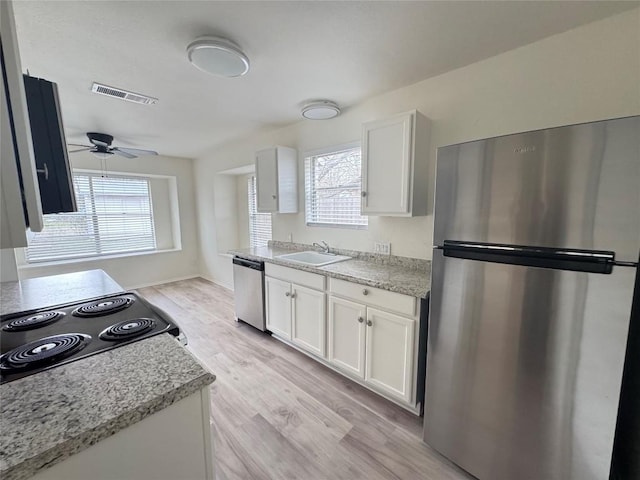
[412, 408]
[160, 282]
[226, 287]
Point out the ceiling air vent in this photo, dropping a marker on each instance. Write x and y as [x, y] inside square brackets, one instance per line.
[123, 94]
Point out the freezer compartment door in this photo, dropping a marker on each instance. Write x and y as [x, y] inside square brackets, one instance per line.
[524, 368]
[567, 187]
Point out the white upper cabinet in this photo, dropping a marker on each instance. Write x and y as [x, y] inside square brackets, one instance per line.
[15, 120]
[395, 154]
[277, 180]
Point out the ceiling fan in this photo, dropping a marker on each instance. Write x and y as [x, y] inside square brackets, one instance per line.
[101, 147]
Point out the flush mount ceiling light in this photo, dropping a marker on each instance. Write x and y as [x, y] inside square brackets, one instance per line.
[218, 56]
[320, 110]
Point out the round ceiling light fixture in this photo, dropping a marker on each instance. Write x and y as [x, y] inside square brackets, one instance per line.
[218, 56]
[320, 110]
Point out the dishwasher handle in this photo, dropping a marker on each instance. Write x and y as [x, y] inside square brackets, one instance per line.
[244, 262]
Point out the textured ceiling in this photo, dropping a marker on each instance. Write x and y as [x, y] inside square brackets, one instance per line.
[299, 50]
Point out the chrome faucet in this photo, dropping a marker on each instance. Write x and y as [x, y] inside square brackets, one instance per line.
[324, 247]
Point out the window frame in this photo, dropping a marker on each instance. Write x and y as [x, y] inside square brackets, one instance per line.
[109, 254]
[252, 191]
[308, 158]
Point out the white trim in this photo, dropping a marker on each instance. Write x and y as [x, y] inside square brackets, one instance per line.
[413, 409]
[210, 279]
[121, 174]
[28, 266]
[333, 149]
[162, 282]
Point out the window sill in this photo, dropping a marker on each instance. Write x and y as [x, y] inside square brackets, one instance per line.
[27, 266]
[338, 225]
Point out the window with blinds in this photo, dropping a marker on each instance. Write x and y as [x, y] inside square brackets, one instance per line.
[259, 223]
[114, 216]
[333, 189]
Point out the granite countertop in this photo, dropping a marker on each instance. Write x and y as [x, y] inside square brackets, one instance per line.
[42, 292]
[397, 274]
[51, 415]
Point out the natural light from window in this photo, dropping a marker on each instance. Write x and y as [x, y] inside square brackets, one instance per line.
[333, 190]
[114, 216]
[259, 223]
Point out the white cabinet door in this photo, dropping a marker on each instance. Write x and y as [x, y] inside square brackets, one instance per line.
[346, 335]
[390, 348]
[277, 180]
[278, 306]
[267, 180]
[387, 166]
[16, 97]
[308, 319]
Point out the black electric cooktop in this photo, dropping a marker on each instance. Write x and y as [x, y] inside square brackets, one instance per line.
[38, 340]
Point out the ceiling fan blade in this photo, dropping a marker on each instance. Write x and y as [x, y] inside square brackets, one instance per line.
[80, 149]
[136, 151]
[122, 153]
[79, 145]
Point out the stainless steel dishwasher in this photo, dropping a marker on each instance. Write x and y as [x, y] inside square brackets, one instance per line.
[248, 284]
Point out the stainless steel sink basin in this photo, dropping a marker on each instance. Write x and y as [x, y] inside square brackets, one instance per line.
[315, 259]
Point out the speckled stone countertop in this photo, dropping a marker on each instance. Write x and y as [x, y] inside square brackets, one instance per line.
[47, 417]
[55, 290]
[397, 274]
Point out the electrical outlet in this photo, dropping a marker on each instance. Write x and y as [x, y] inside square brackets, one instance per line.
[382, 248]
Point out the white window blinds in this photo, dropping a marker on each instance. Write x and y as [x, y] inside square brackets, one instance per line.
[259, 223]
[333, 189]
[114, 216]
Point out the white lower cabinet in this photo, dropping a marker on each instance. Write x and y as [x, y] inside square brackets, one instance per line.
[374, 345]
[354, 330]
[297, 314]
[308, 319]
[278, 305]
[346, 336]
[174, 443]
[389, 359]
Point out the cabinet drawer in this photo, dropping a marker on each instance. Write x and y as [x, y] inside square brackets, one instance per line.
[306, 279]
[377, 297]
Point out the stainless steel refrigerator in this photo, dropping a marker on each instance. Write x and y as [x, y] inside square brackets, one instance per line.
[536, 245]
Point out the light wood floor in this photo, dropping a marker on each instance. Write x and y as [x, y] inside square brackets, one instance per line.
[277, 414]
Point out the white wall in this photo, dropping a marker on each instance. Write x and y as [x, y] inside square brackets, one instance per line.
[180, 258]
[589, 73]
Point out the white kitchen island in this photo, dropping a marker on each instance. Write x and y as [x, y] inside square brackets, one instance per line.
[140, 411]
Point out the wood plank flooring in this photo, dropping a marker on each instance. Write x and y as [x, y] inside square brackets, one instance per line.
[277, 414]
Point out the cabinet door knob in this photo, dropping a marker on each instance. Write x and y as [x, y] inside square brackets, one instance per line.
[365, 291]
[369, 323]
[293, 295]
[360, 319]
[273, 196]
[287, 294]
[364, 194]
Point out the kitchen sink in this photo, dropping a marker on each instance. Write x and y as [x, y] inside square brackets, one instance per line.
[315, 259]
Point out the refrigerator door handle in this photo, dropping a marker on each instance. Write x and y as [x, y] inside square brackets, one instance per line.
[592, 261]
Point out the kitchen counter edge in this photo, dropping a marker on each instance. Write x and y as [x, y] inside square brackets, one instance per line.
[157, 388]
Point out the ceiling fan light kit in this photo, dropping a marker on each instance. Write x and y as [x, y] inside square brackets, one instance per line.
[320, 110]
[218, 56]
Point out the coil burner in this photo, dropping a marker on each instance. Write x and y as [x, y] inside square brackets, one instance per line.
[45, 351]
